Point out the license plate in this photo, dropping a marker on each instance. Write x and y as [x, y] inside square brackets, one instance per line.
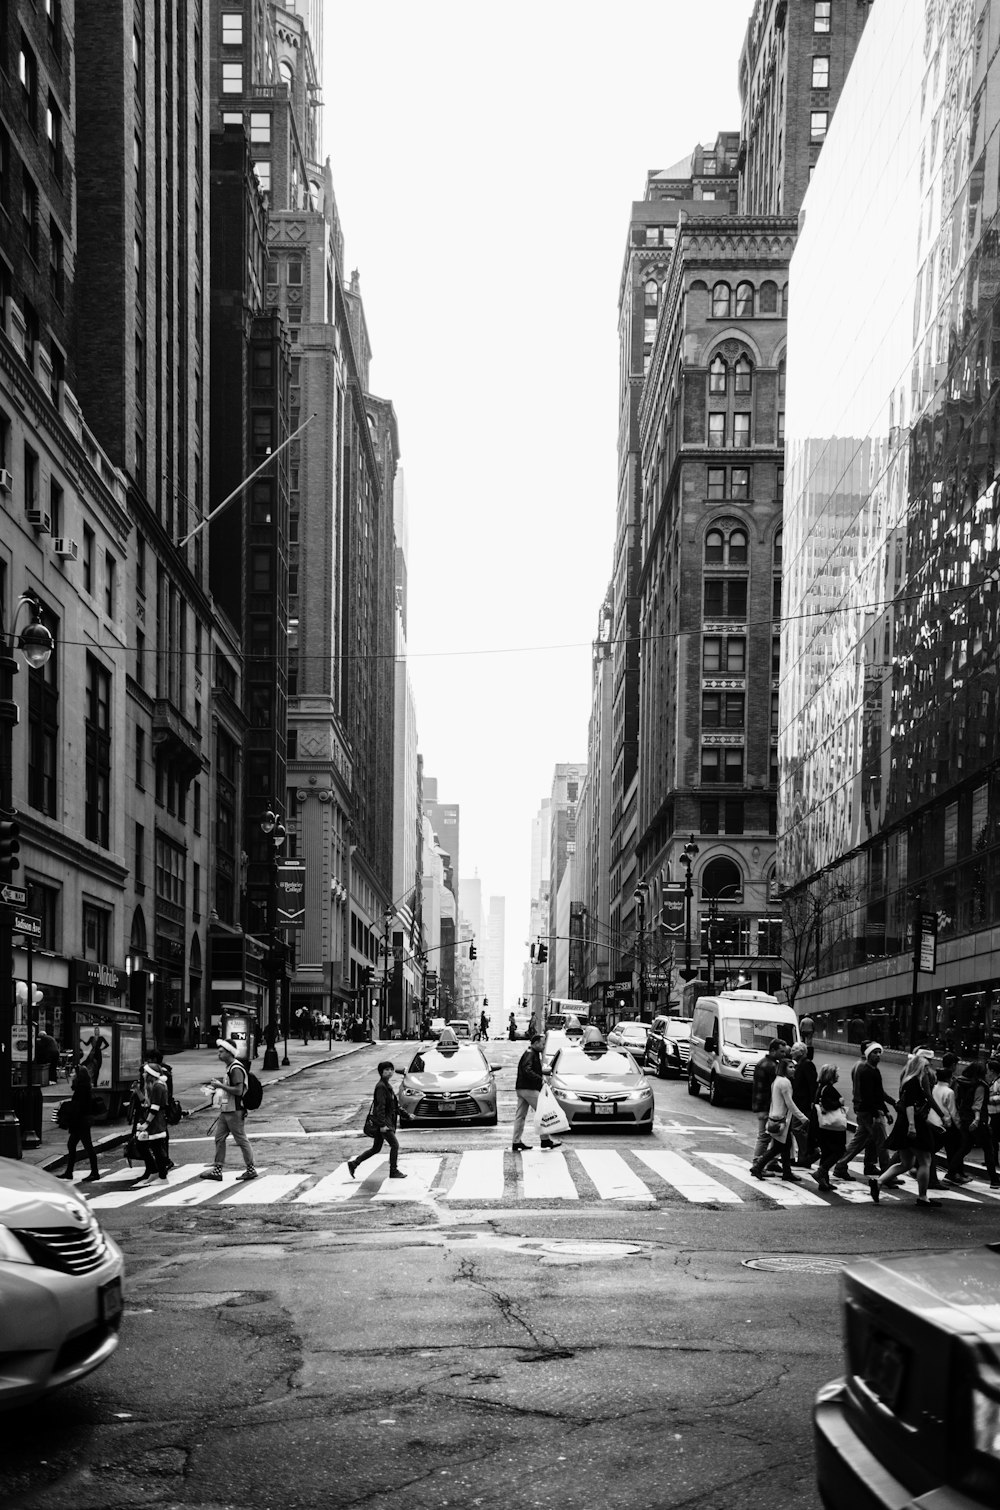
[885, 1369]
[110, 1300]
[604, 1111]
[445, 1109]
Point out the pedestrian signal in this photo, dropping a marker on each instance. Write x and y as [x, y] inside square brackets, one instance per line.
[472, 951]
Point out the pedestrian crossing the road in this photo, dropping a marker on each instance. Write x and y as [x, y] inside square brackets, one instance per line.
[495, 1176]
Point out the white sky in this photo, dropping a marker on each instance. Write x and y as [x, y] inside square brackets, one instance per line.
[484, 160]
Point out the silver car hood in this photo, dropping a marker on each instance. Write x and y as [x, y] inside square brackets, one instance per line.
[598, 1084]
[446, 1080]
[31, 1198]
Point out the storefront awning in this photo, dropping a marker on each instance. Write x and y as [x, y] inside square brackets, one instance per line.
[102, 1011]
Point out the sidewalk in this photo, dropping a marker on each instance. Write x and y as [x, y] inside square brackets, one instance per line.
[191, 1069]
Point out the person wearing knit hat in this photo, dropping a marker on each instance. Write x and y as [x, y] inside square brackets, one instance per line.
[871, 1105]
[151, 1126]
[229, 1123]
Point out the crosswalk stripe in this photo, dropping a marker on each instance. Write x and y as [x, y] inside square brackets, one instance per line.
[115, 1198]
[420, 1170]
[692, 1183]
[611, 1176]
[265, 1190]
[783, 1194]
[197, 1192]
[546, 1176]
[480, 1176]
[335, 1188]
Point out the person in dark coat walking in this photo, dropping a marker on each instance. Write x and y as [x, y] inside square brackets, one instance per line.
[831, 1124]
[385, 1110]
[151, 1126]
[527, 1085]
[763, 1078]
[79, 1125]
[871, 1105]
[912, 1140]
[805, 1078]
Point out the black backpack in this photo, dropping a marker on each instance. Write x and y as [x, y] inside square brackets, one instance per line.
[253, 1095]
[174, 1112]
[965, 1096]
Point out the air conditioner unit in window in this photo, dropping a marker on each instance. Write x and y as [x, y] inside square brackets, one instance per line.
[40, 520]
[66, 548]
[6, 480]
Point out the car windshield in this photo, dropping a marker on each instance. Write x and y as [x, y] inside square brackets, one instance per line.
[754, 1033]
[609, 1066]
[679, 1028]
[448, 1061]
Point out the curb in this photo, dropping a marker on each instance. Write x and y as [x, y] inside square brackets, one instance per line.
[117, 1139]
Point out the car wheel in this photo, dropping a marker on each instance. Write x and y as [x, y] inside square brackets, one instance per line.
[694, 1089]
[714, 1092]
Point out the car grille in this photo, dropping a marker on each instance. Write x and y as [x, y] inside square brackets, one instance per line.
[66, 1249]
[593, 1100]
[464, 1107]
[684, 1049]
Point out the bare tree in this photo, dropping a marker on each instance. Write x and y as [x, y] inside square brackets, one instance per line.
[814, 922]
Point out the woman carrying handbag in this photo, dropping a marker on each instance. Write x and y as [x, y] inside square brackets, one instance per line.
[831, 1124]
[782, 1114]
[380, 1124]
[915, 1131]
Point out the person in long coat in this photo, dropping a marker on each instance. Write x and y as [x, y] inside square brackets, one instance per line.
[783, 1113]
[913, 1138]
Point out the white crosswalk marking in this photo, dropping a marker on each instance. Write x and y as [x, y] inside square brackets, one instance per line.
[693, 1183]
[420, 1170]
[333, 1189]
[116, 1198]
[265, 1190]
[547, 1177]
[774, 1188]
[197, 1192]
[612, 1177]
[480, 1176]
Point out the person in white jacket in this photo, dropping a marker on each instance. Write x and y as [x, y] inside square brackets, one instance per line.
[783, 1112]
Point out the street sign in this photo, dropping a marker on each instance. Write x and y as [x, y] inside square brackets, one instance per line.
[291, 887]
[15, 896]
[927, 943]
[25, 923]
[430, 980]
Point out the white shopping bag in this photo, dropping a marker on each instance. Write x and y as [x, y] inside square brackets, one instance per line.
[549, 1115]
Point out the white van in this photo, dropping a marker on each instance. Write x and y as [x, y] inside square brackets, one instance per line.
[730, 1033]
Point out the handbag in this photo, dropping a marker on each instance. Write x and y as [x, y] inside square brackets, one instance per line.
[835, 1121]
[371, 1126]
[549, 1115]
[775, 1127]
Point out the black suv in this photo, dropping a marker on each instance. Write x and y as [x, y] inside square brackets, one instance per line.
[668, 1046]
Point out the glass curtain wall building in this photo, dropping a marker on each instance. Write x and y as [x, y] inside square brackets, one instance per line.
[889, 750]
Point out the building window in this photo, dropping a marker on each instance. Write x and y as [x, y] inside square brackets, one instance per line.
[720, 300]
[744, 301]
[716, 483]
[140, 658]
[4, 170]
[53, 24]
[716, 431]
[54, 135]
[739, 548]
[721, 764]
[263, 172]
[260, 571]
[32, 502]
[774, 713]
[170, 868]
[767, 303]
[818, 120]
[741, 431]
[779, 539]
[769, 937]
[708, 823]
[821, 73]
[232, 78]
[140, 855]
[821, 15]
[717, 375]
[140, 759]
[260, 127]
[109, 584]
[725, 597]
[776, 600]
[262, 435]
[43, 732]
[27, 73]
[743, 375]
[776, 655]
[29, 213]
[715, 548]
[733, 808]
[98, 752]
[723, 710]
[88, 559]
[724, 655]
[232, 29]
[55, 508]
[739, 486]
[96, 933]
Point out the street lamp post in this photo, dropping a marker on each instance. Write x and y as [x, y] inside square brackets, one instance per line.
[387, 920]
[640, 902]
[687, 860]
[713, 918]
[35, 644]
[272, 825]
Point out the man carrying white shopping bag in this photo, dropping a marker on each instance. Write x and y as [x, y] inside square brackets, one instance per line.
[528, 1085]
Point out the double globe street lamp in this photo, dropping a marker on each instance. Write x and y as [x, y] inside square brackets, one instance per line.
[272, 825]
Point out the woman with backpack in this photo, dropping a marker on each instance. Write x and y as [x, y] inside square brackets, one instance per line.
[151, 1126]
[913, 1138]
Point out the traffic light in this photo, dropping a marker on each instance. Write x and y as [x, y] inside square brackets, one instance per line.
[10, 833]
[543, 953]
[472, 951]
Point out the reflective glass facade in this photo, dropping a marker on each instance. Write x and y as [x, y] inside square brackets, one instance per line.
[889, 752]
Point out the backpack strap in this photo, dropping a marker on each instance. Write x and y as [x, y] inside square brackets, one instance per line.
[239, 1094]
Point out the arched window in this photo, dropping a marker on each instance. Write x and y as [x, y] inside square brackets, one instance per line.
[717, 376]
[779, 541]
[767, 303]
[652, 294]
[721, 878]
[744, 300]
[715, 548]
[743, 372]
[721, 295]
[739, 548]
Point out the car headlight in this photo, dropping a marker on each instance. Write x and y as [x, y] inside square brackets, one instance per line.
[11, 1251]
[986, 1423]
[481, 1090]
[673, 1049]
[730, 1062]
[644, 1092]
[565, 1095]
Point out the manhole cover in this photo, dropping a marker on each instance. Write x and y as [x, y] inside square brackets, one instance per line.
[783, 1263]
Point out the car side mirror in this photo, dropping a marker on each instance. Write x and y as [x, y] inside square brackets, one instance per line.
[496, 1068]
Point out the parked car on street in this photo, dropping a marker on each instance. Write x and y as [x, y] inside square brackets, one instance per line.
[60, 1285]
[602, 1089]
[449, 1084]
[630, 1036]
[915, 1417]
[668, 1046]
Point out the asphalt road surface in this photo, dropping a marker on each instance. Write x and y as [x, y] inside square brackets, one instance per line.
[624, 1321]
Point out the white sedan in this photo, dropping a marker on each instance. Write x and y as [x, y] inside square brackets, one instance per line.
[630, 1036]
[60, 1285]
